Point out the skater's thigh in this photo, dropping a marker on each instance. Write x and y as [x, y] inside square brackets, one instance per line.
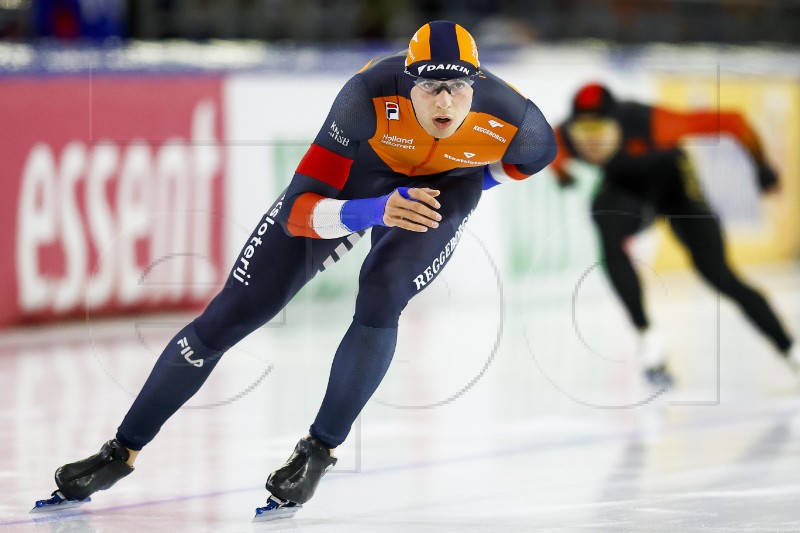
[702, 235]
[402, 263]
[689, 215]
[618, 213]
[268, 272]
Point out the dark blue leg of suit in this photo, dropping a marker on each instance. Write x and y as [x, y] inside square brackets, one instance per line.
[270, 270]
[400, 264]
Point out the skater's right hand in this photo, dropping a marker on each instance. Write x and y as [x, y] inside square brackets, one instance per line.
[413, 212]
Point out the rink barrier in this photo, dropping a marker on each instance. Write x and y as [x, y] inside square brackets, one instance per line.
[114, 195]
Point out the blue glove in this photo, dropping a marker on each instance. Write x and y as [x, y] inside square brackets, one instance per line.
[364, 213]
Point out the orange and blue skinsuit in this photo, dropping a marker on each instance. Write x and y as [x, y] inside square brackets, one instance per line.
[369, 145]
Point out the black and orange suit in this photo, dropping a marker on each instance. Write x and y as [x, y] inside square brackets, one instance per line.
[649, 176]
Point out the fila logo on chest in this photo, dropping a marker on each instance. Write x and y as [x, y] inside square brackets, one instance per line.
[392, 111]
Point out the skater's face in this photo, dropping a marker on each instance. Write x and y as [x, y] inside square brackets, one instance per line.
[442, 107]
[596, 139]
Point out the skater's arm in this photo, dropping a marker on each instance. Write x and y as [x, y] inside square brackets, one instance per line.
[669, 128]
[317, 216]
[531, 149]
[310, 208]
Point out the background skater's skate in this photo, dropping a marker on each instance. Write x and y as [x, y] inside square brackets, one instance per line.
[295, 482]
[77, 481]
[652, 355]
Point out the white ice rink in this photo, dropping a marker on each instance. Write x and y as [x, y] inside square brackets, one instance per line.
[522, 411]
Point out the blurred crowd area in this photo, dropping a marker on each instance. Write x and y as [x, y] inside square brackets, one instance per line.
[343, 21]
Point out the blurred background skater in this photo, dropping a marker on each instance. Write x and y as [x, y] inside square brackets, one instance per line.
[406, 150]
[646, 175]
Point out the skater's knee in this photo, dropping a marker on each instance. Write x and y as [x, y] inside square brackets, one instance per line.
[382, 298]
[233, 315]
[218, 331]
[722, 279]
[380, 307]
[614, 248]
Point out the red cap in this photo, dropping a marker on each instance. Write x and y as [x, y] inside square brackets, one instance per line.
[593, 99]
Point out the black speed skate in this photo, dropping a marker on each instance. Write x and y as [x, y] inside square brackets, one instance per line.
[295, 482]
[77, 481]
[659, 377]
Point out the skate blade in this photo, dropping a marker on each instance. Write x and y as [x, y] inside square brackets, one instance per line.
[57, 503]
[263, 514]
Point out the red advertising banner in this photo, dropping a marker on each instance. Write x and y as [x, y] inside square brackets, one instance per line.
[112, 195]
